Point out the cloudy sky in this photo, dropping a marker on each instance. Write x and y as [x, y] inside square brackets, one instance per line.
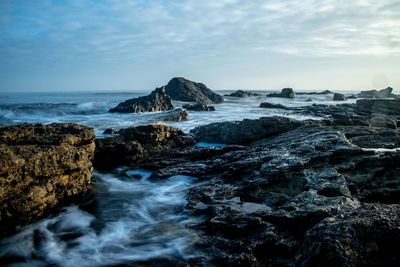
[141, 44]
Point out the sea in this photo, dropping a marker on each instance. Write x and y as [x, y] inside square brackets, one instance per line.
[136, 219]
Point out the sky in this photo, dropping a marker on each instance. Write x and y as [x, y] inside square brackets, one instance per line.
[58, 45]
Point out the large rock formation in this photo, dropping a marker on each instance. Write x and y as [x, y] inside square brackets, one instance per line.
[138, 143]
[184, 90]
[158, 100]
[245, 131]
[41, 168]
[384, 93]
[285, 93]
[339, 97]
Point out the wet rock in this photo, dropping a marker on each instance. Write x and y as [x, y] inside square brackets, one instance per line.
[270, 105]
[174, 115]
[242, 94]
[184, 90]
[367, 236]
[326, 92]
[338, 97]
[383, 106]
[245, 131]
[138, 143]
[110, 131]
[41, 168]
[384, 93]
[198, 107]
[285, 93]
[158, 100]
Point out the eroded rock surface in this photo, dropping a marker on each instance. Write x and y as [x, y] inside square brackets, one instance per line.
[41, 168]
[384, 93]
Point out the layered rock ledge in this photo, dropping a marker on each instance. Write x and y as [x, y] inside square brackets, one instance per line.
[41, 168]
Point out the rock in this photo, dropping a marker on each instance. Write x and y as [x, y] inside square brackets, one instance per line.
[367, 236]
[198, 107]
[242, 94]
[158, 100]
[174, 115]
[338, 97]
[352, 97]
[41, 168]
[110, 131]
[138, 143]
[285, 93]
[184, 90]
[384, 93]
[245, 131]
[270, 105]
[326, 92]
[381, 106]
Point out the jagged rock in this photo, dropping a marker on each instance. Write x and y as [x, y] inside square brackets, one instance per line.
[110, 131]
[285, 93]
[41, 168]
[158, 100]
[245, 131]
[198, 107]
[270, 105]
[241, 94]
[380, 106]
[384, 93]
[184, 90]
[367, 236]
[174, 115]
[338, 97]
[137, 143]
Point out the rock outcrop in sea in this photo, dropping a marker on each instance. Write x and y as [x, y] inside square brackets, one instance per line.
[158, 100]
[242, 94]
[384, 93]
[285, 93]
[185, 90]
[41, 168]
[198, 107]
[339, 97]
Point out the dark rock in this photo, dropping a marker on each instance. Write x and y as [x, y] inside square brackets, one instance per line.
[326, 92]
[285, 93]
[338, 97]
[270, 105]
[384, 93]
[352, 97]
[174, 115]
[245, 131]
[110, 131]
[184, 90]
[367, 236]
[198, 107]
[242, 94]
[41, 168]
[158, 100]
[138, 143]
[382, 106]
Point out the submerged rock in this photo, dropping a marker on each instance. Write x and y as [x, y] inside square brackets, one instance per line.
[285, 93]
[271, 105]
[41, 168]
[338, 97]
[198, 107]
[174, 115]
[158, 100]
[184, 90]
[242, 94]
[384, 93]
[138, 143]
[245, 131]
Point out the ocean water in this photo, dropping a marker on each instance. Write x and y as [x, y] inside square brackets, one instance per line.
[136, 219]
[91, 108]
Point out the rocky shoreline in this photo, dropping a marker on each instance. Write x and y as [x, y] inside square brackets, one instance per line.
[275, 192]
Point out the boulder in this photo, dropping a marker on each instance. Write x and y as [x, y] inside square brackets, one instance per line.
[110, 131]
[367, 236]
[381, 106]
[41, 168]
[338, 97]
[270, 105]
[184, 90]
[174, 115]
[384, 93]
[242, 94]
[158, 100]
[243, 132]
[198, 107]
[285, 93]
[137, 143]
